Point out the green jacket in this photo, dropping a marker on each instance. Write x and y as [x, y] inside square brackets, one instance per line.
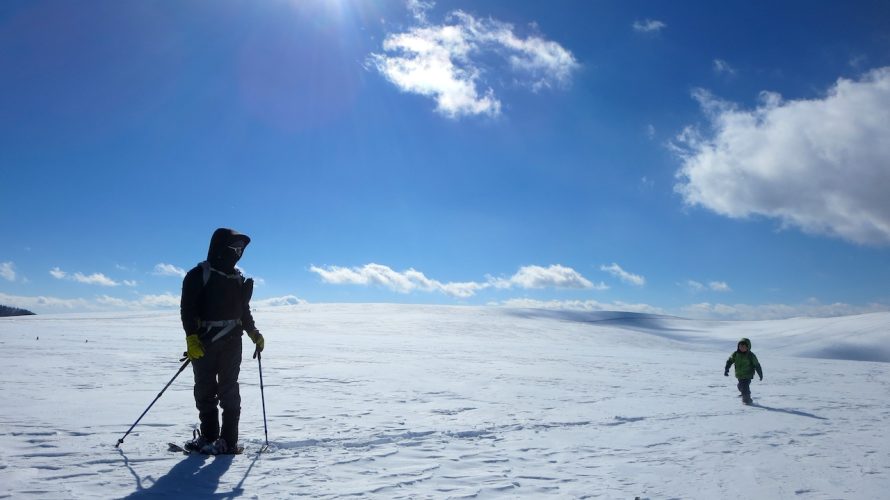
[745, 362]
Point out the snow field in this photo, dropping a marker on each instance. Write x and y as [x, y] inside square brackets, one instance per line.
[391, 401]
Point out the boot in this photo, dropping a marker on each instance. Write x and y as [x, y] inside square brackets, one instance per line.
[197, 443]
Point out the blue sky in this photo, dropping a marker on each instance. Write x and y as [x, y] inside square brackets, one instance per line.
[704, 159]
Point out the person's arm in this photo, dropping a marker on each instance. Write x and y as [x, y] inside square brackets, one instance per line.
[247, 322]
[192, 285]
[758, 368]
[729, 363]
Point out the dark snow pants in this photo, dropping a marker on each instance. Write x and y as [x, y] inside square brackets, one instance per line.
[216, 382]
[745, 387]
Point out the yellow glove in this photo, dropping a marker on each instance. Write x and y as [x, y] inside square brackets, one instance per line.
[257, 339]
[195, 349]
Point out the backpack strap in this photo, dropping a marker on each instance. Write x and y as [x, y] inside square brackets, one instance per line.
[206, 269]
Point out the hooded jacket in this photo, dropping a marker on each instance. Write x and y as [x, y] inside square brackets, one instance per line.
[745, 362]
[225, 295]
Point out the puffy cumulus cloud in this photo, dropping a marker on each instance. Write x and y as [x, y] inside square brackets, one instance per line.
[163, 269]
[555, 276]
[91, 279]
[401, 282]
[412, 280]
[7, 271]
[812, 308]
[822, 165]
[287, 300]
[618, 272]
[649, 26]
[445, 62]
[580, 305]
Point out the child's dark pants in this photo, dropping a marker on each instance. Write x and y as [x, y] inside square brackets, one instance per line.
[745, 387]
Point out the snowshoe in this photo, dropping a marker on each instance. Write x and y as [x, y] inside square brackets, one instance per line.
[220, 447]
[197, 443]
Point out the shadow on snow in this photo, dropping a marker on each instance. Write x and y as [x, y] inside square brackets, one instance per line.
[195, 476]
[789, 411]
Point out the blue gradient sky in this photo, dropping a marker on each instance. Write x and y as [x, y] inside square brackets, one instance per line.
[706, 159]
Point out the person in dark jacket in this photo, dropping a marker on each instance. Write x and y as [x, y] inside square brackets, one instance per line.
[746, 364]
[215, 310]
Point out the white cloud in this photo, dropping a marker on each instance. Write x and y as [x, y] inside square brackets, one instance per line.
[91, 279]
[543, 277]
[715, 286]
[723, 68]
[580, 305]
[419, 8]
[7, 271]
[719, 286]
[445, 62]
[287, 300]
[706, 310]
[820, 165]
[528, 277]
[163, 269]
[163, 301]
[94, 279]
[649, 26]
[618, 272]
[402, 282]
[43, 304]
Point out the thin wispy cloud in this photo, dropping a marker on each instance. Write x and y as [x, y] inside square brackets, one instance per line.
[616, 270]
[91, 279]
[43, 303]
[811, 309]
[163, 269]
[649, 26]
[162, 301]
[7, 271]
[819, 164]
[722, 67]
[714, 286]
[580, 305]
[452, 63]
[419, 8]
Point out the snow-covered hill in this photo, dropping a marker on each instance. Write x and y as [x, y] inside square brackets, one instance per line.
[391, 401]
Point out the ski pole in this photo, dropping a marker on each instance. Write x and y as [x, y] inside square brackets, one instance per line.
[259, 360]
[121, 440]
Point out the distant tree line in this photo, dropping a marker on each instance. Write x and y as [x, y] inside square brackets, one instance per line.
[14, 311]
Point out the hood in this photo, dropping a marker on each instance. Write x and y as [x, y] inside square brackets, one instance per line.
[746, 342]
[219, 255]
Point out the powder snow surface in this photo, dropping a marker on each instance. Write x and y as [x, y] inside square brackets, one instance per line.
[393, 401]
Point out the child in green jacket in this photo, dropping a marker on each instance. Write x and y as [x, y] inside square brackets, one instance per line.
[745, 365]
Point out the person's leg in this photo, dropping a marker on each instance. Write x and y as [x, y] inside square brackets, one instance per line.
[205, 395]
[229, 391]
[745, 388]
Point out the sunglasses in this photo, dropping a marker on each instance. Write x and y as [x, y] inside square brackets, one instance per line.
[238, 248]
